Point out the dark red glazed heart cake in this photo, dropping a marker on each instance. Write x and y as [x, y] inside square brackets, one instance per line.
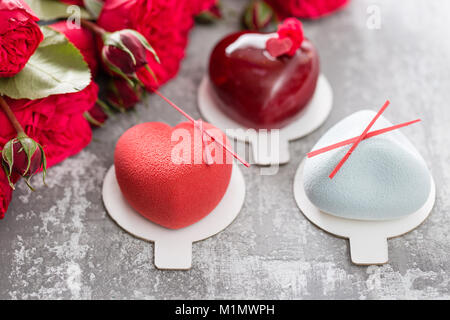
[264, 80]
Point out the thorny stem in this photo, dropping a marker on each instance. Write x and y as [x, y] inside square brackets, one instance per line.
[12, 118]
[94, 27]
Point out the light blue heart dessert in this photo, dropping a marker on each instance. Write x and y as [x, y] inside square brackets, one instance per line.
[384, 178]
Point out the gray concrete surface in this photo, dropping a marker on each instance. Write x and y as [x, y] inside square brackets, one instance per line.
[60, 243]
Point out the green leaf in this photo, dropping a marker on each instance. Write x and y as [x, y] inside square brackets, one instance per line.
[105, 107]
[248, 17]
[91, 119]
[151, 73]
[258, 15]
[56, 67]
[264, 13]
[94, 7]
[8, 176]
[43, 164]
[27, 181]
[53, 9]
[8, 154]
[29, 147]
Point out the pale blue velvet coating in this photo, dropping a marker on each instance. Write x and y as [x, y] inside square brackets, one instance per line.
[384, 178]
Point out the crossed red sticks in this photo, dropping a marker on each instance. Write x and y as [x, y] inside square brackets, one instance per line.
[356, 140]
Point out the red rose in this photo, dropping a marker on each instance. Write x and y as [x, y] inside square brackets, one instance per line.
[165, 24]
[56, 122]
[19, 36]
[83, 39]
[306, 8]
[116, 14]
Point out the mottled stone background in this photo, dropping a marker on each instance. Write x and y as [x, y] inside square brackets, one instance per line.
[60, 243]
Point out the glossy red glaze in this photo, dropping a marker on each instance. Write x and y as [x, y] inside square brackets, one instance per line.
[256, 89]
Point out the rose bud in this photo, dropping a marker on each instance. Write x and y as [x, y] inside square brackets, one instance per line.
[19, 36]
[209, 15]
[98, 114]
[24, 156]
[122, 95]
[124, 52]
[258, 15]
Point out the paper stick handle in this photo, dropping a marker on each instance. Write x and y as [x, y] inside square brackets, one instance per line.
[176, 255]
[367, 249]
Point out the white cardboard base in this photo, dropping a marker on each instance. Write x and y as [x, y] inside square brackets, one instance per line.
[173, 248]
[311, 118]
[368, 239]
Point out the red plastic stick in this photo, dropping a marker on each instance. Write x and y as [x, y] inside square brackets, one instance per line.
[351, 140]
[360, 138]
[245, 163]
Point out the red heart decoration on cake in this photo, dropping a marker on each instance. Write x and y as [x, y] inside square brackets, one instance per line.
[277, 47]
[255, 88]
[158, 186]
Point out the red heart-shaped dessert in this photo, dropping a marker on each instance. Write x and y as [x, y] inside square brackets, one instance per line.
[257, 89]
[157, 185]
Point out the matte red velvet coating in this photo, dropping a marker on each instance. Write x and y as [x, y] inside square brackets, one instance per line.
[260, 91]
[171, 195]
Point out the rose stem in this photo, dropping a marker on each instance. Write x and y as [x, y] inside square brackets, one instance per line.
[92, 26]
[12, 118]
